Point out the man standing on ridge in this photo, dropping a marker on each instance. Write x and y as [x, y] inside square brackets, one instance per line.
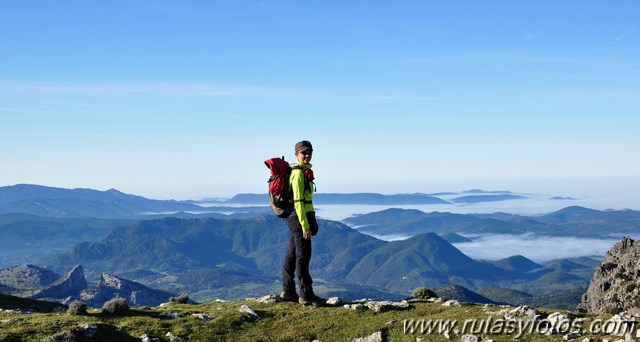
[302, 225]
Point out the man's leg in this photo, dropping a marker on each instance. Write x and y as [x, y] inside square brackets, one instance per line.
[289, 267]
[303, 258]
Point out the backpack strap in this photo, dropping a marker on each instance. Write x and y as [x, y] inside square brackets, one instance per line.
[307, 183]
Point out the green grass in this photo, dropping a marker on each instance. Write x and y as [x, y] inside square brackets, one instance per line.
[278, 322]
[11, 302]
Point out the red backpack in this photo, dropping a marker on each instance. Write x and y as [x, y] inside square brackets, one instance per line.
[280, 196]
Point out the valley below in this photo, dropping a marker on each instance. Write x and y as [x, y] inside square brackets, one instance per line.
[233, 249]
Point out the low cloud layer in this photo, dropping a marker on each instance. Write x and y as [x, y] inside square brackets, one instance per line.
[534, 247]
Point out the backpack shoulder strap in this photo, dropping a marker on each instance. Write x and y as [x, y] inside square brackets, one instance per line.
[307, 183]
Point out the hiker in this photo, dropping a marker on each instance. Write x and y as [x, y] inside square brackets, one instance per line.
[302, 225]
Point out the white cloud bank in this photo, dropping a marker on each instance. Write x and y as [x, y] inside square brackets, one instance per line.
[534, 247]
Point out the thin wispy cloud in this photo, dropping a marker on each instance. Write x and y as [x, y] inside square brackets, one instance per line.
[623, 35]
[618, 39]
[530, 37]
[196, 89]
[163, 7]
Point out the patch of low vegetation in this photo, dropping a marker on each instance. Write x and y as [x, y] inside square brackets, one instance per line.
[77, 308]
[12, 302]
[280, 321]
[181, 299]
[631, 287]
[116, 307]
[63, 336]
[423, 293]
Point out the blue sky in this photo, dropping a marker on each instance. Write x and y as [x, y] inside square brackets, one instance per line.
[186, 99]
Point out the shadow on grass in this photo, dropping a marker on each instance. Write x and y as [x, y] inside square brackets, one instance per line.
[106, 332]
[131, 313]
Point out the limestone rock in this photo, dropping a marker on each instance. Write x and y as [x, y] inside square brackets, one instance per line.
[524, 311]
[334, 301]
[174, 338]
[69, 285]
[354, 307]
[451, 302]
[25, 277]
[375, 337]
[88, 330]
[614, 286]
[203, 317]
[471, 338]
[246, 309]
[385, 305]
[111, 287]
[147, 338]
[268, 299]
[558, 321]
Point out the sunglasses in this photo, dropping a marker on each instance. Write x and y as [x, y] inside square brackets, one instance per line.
[307, 152]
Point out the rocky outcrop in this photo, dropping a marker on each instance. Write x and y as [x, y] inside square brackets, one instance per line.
[111, 287]
[69, 285]
[26, 277]
[615, 285]
[33, 282]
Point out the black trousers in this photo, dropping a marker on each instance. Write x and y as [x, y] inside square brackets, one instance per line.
[297, 260]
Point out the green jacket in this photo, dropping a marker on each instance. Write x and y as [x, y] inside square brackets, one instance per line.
[302, 196]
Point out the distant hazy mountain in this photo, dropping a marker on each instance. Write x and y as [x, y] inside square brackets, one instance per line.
[576, 214]
[412, 222]
[210, 258]
[505, 296]
[25, 238]
[83, 203]
[57, 202]
[422, 259]
[26, 277]
[480, 191]
[486, 198]
[349, 198]
[454, 238]
[461, 294]
[570, 221]
[206, 253]
[517, 262]
[561, 198]
[39, 283]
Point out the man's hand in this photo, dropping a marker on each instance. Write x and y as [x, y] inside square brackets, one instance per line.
[306, 234]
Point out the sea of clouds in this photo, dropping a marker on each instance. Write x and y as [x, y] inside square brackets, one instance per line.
[539, 248]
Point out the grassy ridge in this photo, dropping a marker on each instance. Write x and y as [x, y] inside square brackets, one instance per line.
[278, 322]
[12, 303]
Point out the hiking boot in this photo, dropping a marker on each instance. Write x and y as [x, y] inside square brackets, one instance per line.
[289, 296]
[313, 300]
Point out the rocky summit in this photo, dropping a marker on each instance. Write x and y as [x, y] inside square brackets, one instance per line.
[615, 286]
[113, 287]
[68, 285]
[25, 277]
[33, 282]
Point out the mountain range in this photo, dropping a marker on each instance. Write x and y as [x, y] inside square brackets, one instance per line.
[212, 258]
[88, 203]
[82, 203]
[570, 221]
[179, 247]
[25, 238]
[29, 281]
[356, 198]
